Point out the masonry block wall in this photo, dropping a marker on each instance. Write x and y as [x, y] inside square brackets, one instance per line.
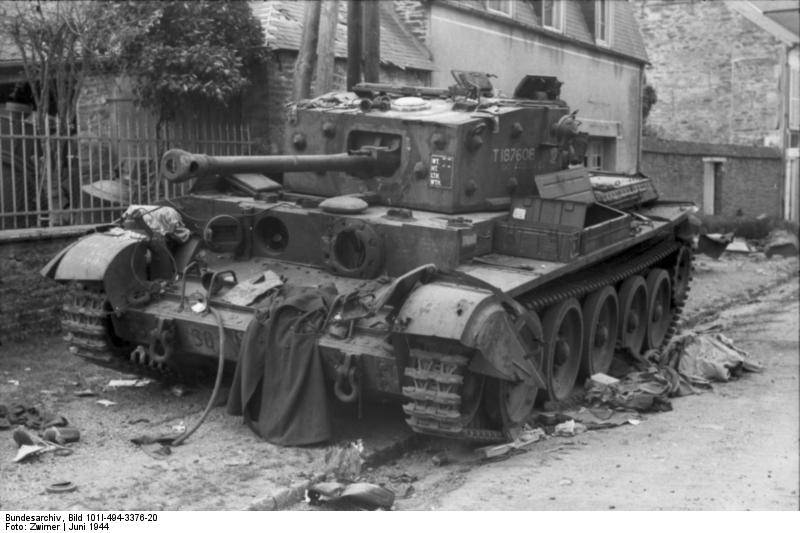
[751, 181]
[29, 304]
[716, 74]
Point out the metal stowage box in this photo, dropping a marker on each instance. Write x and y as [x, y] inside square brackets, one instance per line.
[558, 230]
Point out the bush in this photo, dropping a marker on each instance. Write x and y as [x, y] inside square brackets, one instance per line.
[746, 227]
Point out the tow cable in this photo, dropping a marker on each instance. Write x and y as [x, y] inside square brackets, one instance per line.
[221, 362]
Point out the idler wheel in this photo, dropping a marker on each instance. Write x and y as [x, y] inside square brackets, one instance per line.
[681, 275]
[659, 308]
[601, 323]
[517, 399]
[563, 331]
[633, 318]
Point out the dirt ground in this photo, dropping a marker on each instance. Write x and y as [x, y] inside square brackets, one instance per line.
[224, 466]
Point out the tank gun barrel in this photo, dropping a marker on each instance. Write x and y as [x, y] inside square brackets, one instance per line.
[179, 165]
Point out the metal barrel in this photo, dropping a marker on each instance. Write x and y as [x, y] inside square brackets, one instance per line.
[179, 165]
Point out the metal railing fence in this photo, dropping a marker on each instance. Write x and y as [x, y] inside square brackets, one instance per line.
[51, 179]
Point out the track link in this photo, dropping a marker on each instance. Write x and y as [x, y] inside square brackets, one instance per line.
[86, 323]
[435, 390]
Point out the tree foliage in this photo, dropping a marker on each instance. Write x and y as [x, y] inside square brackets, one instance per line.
[179, 52]
[59, 43]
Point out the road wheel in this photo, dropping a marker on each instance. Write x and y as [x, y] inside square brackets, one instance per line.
[633, 315]
[563, 331]
[659, 308]
[601, 323]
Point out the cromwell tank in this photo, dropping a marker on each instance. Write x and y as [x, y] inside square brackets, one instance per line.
[477, 266]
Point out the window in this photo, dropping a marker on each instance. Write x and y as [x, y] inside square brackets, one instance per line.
[501, 7]
[552, 13]
[600, 153]
[794, 98]
[602, 22]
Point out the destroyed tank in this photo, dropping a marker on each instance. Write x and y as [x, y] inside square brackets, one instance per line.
[479, 268]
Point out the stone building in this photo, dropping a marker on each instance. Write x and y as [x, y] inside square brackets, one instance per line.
[726, 73]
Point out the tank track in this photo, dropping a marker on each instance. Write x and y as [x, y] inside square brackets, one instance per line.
[437, 379]
[85, 320]
[436, 383]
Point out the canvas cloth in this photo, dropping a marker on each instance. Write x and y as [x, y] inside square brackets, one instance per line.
[279, 387]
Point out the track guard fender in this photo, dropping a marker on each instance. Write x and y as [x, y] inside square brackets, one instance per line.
[475, 318]
[116, 258]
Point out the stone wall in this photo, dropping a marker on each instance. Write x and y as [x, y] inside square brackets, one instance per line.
[29, 303]
[716, 74]
[751, 182]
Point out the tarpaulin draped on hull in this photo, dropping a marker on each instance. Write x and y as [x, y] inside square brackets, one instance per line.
[279, 385]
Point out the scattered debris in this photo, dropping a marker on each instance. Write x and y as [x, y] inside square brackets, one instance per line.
[61, 435]
[713, 244]
[565, 482]
[781, 242]
[106, 403]
[570, 428]
[364, 495]
[601, 417]
[703, 358]
[179, 391]
[14, 382]
[180, 427]
[61, 487]
[31, 445]
[739, 245]
[441, 459]
[143, 382]
[603, 379]
[344, 461]
[525, 438]
[84, 393]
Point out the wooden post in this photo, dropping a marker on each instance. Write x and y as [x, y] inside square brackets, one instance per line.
[354, 16]
[372, 41]
[326, 47]
[307, 56]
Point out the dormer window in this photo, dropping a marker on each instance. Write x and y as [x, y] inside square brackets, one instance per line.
[500, 7]
[602, 22]
[552, 14]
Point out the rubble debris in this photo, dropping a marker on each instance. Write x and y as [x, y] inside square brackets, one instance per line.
[713, 244]
[603, 379]
[641, 391]
[31, 445]
[703, 358]
[142, 382]
[441, 459]
[525, 438]
[739, 245]
[781, 242]
[61, 435]
[85, 393]
[106, 403]
[30, 417]
[364, 495]
[345, 461]
[601, 417]
[570, 428]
